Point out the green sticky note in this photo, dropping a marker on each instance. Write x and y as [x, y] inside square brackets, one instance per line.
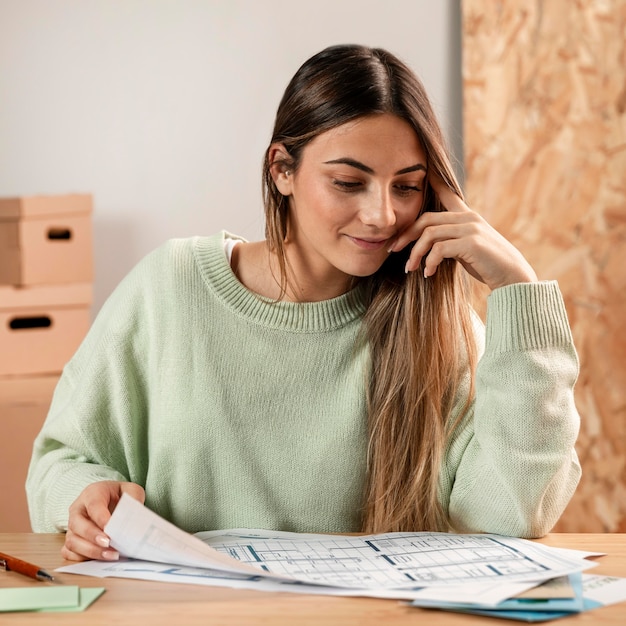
[50, 598]
[86, 595]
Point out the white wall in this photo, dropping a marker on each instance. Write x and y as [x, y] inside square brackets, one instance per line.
[163, 108]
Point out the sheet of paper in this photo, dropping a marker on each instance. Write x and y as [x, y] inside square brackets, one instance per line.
[394, 560]
[560, 587]
[55, 598]
[137, 532]
[603, 590]
[487, 594]
[386, 561]
[584, 554]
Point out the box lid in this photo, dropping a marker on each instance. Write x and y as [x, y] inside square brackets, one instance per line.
[27, 389]
[36, 297]
[25, 207]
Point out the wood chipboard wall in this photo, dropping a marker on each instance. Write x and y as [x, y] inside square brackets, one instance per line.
[545, 160]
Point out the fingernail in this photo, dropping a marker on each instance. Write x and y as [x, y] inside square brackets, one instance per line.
[110, 555]
[406, 268]
[103, 541]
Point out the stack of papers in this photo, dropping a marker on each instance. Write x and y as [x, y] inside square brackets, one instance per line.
[488, 574]
[551, 600]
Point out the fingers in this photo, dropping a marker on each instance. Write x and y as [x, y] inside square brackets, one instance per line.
[134, 490]
[85, 539]
[89, 514]
[431, 228]
[447, 249]
[447, 196]
[81, 548]
[456, 212]
[461, 234]
[441, 241]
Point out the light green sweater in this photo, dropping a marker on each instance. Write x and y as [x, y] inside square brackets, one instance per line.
[236, 412]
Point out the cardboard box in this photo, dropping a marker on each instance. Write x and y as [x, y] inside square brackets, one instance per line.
[24, 404]
[46, 240]
[41, 327]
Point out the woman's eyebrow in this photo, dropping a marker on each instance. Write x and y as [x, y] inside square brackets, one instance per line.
[413, 168]
[352, 163]
[368, 170]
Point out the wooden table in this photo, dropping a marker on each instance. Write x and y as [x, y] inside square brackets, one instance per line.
[144, 602]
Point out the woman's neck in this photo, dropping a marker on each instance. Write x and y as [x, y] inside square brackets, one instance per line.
[259, 270]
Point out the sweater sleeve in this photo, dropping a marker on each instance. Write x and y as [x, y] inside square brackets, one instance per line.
[94, 428]
[511, 467]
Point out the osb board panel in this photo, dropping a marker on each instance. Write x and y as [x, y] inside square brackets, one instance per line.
[545, 158]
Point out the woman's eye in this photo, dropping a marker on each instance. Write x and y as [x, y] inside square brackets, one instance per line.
[407, 189]
[346, 185]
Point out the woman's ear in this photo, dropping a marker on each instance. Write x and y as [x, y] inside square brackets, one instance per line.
[280, 169]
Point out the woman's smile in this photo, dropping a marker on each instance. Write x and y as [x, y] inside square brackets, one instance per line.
[369, 244]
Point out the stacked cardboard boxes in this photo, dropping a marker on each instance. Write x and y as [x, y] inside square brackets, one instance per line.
[46, 276]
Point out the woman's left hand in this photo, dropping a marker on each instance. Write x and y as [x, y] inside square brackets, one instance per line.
[460, 233]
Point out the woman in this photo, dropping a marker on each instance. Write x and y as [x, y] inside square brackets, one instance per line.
[325, 379]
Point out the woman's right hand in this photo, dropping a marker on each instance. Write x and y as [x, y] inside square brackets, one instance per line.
[89, 513]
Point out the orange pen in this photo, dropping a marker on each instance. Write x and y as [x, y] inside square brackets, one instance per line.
[11, 563]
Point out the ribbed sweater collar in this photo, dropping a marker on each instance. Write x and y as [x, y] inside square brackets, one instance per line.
[322, 316]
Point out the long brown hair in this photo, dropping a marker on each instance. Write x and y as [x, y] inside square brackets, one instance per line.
[419, 329]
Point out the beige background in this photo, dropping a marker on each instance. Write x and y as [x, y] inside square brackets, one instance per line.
[545, 156]
[162, 109]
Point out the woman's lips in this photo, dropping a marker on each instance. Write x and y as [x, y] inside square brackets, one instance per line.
[369, 244]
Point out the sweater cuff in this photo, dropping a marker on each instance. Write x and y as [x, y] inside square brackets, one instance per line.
[526, 316]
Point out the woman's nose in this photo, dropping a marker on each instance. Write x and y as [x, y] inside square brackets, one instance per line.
[378, 211]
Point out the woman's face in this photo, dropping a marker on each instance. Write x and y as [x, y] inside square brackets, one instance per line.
[357, 187]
